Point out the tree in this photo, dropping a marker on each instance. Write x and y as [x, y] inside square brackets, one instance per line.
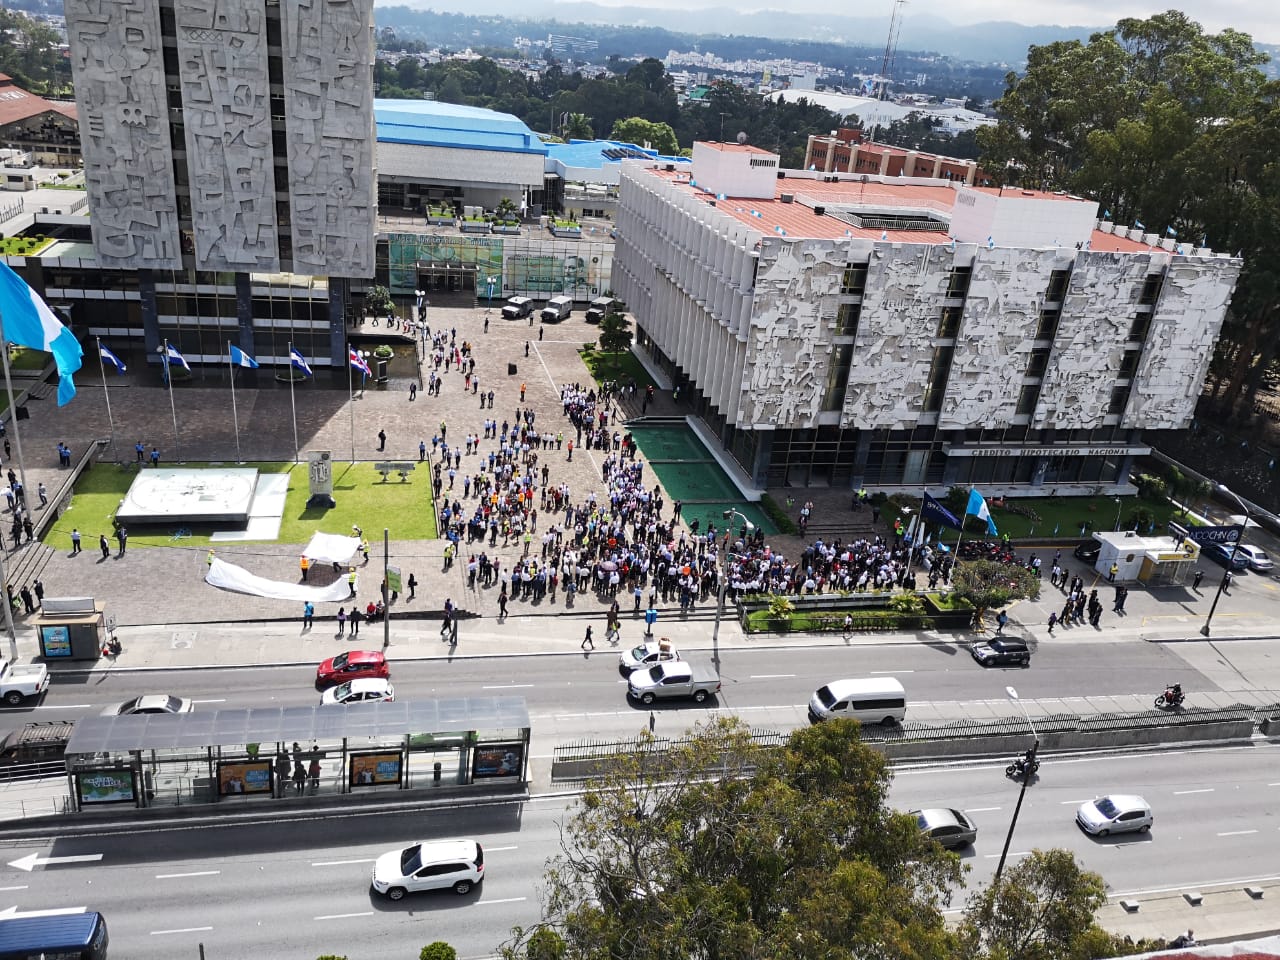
[615, 335]
[1042, 909]
[578, 127]
[987, 584]
[377, 300]
[721, 847]
[638, 130]
[507, 209]
[439, 950]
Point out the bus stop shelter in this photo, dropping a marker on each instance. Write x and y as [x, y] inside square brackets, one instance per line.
[241, 756]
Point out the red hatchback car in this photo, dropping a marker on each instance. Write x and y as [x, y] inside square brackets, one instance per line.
[351, 665]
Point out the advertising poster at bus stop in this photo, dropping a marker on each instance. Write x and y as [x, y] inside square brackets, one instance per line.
[237, 779]
[375, 769]
[106, 786]
[497, 760]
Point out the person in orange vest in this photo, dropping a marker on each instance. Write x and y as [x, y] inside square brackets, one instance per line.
[522, 393]
[570, 446]
[304, 565]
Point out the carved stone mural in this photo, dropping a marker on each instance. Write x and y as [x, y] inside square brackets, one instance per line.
[1184, 326]
[1097, 313]
[328, 85]
[117, 58]
[906, 284]
[1001, 315]
[789, 346]
[222, 60]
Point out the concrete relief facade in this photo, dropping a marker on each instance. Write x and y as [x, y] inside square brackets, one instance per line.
[222, 60]
[906, 286]
[117, 57]
[1001, 314]
[1097, 313]
[1175, 358]
[328, 85]
[789, 345]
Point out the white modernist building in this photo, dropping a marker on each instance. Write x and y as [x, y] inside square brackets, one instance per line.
[847, 330]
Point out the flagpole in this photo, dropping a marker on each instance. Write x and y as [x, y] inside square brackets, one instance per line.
[351, 404]
[106, 396]
[235, 417]
[168, 375]
[292, 406]
[4, 574]
[17, 434]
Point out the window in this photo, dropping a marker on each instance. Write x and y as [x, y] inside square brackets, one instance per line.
[1129, 364]
[1151, 289]
[1038, 363]
[847, 319]
[855, 279]
[838, 377]
[1028, 397]
[1119, 400]
[937, 384]
[1058, 281]
[1138, 329]
[958, 283]
[1048, 327]
[949, 324]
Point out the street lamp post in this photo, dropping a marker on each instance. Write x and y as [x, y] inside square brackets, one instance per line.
[490, 281]
[1119, 505]
[1026, 776]
[724, 585]
[910, 542]
[1231, 561]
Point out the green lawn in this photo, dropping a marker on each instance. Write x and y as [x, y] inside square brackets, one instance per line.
[362, 498]
[1065, 514]
[23, 246]
[622, 366]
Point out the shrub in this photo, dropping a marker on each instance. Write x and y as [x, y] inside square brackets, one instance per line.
[439, 950]
[779, 516]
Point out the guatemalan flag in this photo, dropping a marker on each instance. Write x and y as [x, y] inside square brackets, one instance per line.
[28, 321]
[978, 507]
[360, 363]
[241, 359]
[110, 359]
[299, 362]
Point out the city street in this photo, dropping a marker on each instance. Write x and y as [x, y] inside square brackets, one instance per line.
[301, 888]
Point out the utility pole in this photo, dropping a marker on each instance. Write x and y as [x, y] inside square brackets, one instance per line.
[386, 588]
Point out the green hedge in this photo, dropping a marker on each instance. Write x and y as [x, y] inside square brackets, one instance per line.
[779, 516]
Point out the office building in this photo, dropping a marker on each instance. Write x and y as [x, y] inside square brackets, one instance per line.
[849, 331]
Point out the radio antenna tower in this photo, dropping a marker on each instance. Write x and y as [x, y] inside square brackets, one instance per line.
[891, 49]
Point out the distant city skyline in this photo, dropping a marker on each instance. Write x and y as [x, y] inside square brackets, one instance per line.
[1258, 18]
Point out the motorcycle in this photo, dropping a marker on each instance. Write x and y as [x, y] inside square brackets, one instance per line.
[1172, 697]
[1022, 768]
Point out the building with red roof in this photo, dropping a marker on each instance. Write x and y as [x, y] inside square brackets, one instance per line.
[45, 129]
[899, 332]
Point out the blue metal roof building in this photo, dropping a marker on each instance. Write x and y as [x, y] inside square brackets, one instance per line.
[431, 123]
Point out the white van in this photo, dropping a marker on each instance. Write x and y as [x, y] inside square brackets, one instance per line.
[557, 309]
[878, 700]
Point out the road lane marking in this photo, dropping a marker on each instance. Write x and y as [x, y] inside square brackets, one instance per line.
[161, 933]
[1237, 833]
[507, 900]
[1020, 853]
[341, 863]
[223, 700]
[1183, 793]
[1240, 881]
[1274, 784]
[507, 686]
[894, 672]
[1068, 803]
[771, 676]
[980, 809]
[20, 887]
[33, 860]
[345, 916]
[494, 849]
[63, 706]
[197, 873]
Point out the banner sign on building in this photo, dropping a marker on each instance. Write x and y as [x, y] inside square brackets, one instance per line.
[1204, 535]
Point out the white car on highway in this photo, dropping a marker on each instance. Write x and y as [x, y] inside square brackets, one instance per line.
[1118, 813]
[647, 654]
[456, 865]
[359, 691]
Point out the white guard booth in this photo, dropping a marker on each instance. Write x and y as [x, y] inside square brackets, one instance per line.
[1150, 560]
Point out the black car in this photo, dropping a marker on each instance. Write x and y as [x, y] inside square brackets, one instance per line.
[1088, 551]
[999, 651]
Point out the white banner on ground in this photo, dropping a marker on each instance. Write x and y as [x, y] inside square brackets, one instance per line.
[227, 576]
[331, 548]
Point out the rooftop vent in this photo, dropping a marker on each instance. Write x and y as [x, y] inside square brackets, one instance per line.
[819, 211]
[787, 197]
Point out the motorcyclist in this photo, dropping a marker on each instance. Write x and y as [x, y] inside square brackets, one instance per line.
[1173, 692]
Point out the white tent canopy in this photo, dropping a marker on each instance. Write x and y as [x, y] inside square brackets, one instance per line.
[228, 576]
[331, 548]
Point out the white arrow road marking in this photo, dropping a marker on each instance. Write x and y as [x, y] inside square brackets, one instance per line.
[33, 860]
[57, 912]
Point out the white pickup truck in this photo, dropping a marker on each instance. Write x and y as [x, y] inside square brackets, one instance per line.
[19, 683]
[674, 678]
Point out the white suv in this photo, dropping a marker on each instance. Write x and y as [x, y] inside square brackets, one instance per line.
[429, 865]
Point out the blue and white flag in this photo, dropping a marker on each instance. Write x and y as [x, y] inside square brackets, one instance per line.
[29, 322]
[241, 359]
[296, 359]
[110, 358]
[175, 358]
[1170, 231]
[931, 511]
[1139, 224]
[978, 508]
